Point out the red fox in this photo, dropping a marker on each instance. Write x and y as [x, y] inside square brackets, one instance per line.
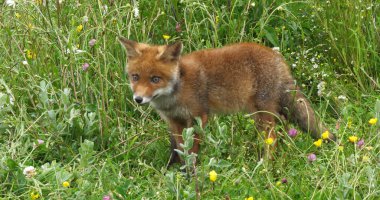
[245, 77]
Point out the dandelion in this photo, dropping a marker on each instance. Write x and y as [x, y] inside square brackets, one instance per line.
[292, 132]
[85, 66]
[92, 42]
[353, 139]
[166, 37]
[213, 176]
[79, 28]
[249, 198]
[373, 121]
[269, 141]
[34, 195]
[29, 171]
[107, 197]
[312, 157]
[325, 135]
[66, 184]
[318, 143]
[360, 143]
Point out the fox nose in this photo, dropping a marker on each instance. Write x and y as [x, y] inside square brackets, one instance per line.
[138, 99]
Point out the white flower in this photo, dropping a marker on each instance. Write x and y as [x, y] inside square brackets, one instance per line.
[342, 97]
[11, 100]
[105, 9]
[85, 19]
[321, 88]
[25, 62]
[136, 9]
[29, 171]
[10, 3]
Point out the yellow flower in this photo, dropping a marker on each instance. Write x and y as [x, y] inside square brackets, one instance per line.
[39, 2]
[340, 148]
[79, 28]
[269, 141]
[217, 19]
[349, 123]
[249, 198]
[213, 176]
[66, 184]
[365, 159]
[318, 143]
[373, 121]
[30, 54]
[166, 37]
[278, 183]
[325, 135]
[30, 26]
[34, 195]
[353, 139]
[17, 15]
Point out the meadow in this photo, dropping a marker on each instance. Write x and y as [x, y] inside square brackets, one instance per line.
[69, 128]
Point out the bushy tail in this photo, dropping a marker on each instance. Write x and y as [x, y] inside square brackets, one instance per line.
[297, 109]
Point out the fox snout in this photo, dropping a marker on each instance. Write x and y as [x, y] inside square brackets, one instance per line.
[141, 99]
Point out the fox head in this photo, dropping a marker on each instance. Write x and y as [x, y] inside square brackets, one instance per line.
[153, 71]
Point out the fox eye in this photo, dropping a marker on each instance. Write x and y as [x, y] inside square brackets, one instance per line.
[155, 79]
[135, 77]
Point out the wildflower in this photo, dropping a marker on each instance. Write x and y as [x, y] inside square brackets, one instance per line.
[278, 183]
[269, 141]
[217, 19]
[85, 19]
[292, 132]
[136, 11]
[373, 121]
[30, 54]
[79, 28]
[321, 88]
[92, 42]
[107, 197]
[40, 141]
[178, 27]
[365, 159]
[213, 176]
[25, 62]
[325, 135]
[66, 184]
[369, 148]
[38, 2]
[249, 198]
[29, 171]
[284, 181]
[17, 15]
[318, 143]
[166, 37]
[340, 148]
[312, 157]
[85, 66]
[342, 98]
[360, 143]
[349, 123]
[34, 195]
[10, 3]
[30, 26]
[353, 139]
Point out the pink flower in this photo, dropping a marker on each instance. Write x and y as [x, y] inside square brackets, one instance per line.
[292, 132]
[360, 143]
[312, 157]
[85, 66]
[107, 197]
[40, 142]
[92, 42]
[284, 180]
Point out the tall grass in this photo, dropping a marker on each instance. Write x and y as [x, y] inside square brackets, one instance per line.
[97, 139]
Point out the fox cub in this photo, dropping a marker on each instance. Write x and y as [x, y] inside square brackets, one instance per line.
[245, 77]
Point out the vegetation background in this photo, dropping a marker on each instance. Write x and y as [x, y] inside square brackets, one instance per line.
[66, 108]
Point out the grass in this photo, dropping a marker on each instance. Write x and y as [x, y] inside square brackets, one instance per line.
[81, 126]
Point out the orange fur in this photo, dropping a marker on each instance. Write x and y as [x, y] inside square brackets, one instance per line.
[245, 77]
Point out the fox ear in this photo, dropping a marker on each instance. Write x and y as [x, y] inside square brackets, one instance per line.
[172, 52]
[131, 47]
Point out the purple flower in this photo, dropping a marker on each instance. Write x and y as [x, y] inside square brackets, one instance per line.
[92, 42]
[178, 27]
[360, 143]
[40, 142]
[107, 197]
[85, 66]
[312, 157]
[284, 181]
[292, 132]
